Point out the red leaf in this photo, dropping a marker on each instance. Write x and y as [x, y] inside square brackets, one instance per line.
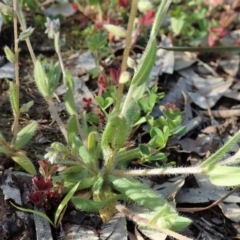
[115, 74]
[123, 3]
[148, 18]
[41, 184]
[74, 6]
[36, 198]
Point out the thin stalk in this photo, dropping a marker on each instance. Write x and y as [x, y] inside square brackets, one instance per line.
[57, 118]
[193, 210]
[158, 171]
[16, 67]
[24, 28]
[57, 49]
[133, 13]
[145, 222]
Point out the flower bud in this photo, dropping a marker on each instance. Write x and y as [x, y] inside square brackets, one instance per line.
[115, 30]
[125, 76]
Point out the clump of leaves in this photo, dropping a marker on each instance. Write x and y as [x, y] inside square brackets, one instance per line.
[97, 162]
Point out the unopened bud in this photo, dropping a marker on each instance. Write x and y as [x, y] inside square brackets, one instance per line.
[144, 6]
[125, 76]
[131, 63]
[115, 30]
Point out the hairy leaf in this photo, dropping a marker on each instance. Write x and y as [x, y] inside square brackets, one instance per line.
[24, 162]
[146, 64]
[223, 175]
[41, 79]
[115, 133]
[13, 96]
[26, 134]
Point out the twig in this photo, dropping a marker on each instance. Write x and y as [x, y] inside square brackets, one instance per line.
[192, 210]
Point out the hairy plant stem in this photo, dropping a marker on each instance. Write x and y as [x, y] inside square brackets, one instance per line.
[137, 218]
[16, 67]
[24, 28]
[57, 49]
[126, 51]
[158, 171]
[57, 118]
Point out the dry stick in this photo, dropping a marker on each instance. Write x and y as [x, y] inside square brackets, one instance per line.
[16, 66]
[135, 217]
[133, 13]
[192, 210]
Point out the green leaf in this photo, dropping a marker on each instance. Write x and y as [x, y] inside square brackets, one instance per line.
[97, 186]
[130, 114]
[41, 79]
[138, 192]
[179, 130]
[6, 10]
[72, 129]
[13, 96]
[139, 91]
[159, 16]
[26, 106]
[115, 133]
[64, 202]
[177, 24]
[24, 162]
[124, 157]
[144, 149]
[97, 41]
[223, 175]
[9, 54]
[53, 74]
[86, 156]
[5, 151]
[24, 136]
[34, 212]
[143, 104]
[69, 102]
[146, 64]
[140, 121]
[92, 142]
[158, 157]
[89, 205]
[25, 34]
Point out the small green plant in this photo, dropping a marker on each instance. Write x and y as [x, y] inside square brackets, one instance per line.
[189, 23]
[97, 161]
[21, 137]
